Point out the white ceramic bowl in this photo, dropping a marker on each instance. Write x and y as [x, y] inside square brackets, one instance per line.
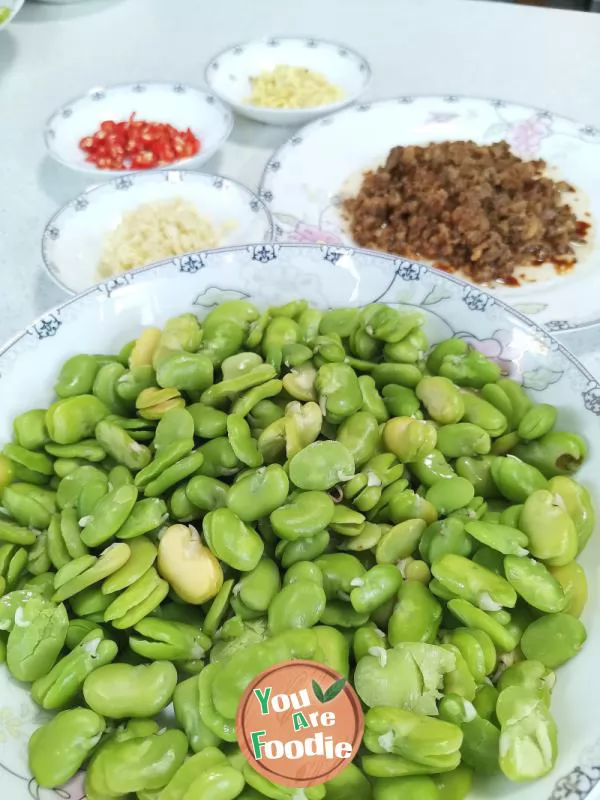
[73, 239]
[176, 103]
[228, 74]
[106, 316]
[14, 7]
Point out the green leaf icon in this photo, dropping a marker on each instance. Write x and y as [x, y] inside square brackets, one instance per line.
[334, 690]
[318, 692]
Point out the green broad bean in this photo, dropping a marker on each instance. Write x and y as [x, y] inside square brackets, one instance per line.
[348, 784]
[338, 390]
[444, 536]
[471, 369]
[64, 682]
[375, 587]
[137, 601]
[454, 785]
[530, 675]
[305, 515]
[258, 588]
[474, 617]
[232, 540]
[432, 468]
[30, 429]
[555, 453]
[503, 538]
[535, 584]
[339, 571]
[578, 503]
[549, 528]
[159, 639]
[450, 494]
[133, 382]
[146, 515]
[574, 583]
[516, 479]
[77, 376]
[186, 705]
[459, 680]
[479, 412]
[360, 435]
[373, 402]
[481, 739]
[120, 446]
[552, 639]
[527, 727]
[409, 439]
[36, 639]
[298, 605]
[302, 549]
[537, 421]
[400, 541]
[206, 493]
[59, 748]
[110, 513]
[472, 582]
[400, 401]
[124, 764]
[219, 458]
[478, 471]
[321, 465]
[463, 439]
[416, 616]
[389, 324]
[31, 506]
[442, 399]
[259, 494]
[407, 504]
[121, 691]
[368, 640]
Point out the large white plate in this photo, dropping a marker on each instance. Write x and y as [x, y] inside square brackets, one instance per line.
[307, 177]
[108, 315]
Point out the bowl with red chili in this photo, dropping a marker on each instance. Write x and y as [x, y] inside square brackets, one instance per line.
[139, 126]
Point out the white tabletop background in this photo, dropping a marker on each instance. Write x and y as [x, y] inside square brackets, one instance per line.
[51, 53]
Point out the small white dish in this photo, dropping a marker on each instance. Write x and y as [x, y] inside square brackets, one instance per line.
[228, 75]
[13, 6]
[73, 239]
[176, 103]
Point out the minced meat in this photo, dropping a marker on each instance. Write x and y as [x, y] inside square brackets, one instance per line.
[480, 209]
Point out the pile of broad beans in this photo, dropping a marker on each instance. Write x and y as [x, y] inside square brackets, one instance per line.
[228, 494]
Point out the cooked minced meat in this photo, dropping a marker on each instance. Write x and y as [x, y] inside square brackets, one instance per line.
[479, 209]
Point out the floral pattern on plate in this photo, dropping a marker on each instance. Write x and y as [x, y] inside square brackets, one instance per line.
[307, 178]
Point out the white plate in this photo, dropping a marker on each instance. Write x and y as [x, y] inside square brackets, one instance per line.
[228, 74]
[105, 317]
[176, 103]
[15, 6]
[307, 177]
[73, 238]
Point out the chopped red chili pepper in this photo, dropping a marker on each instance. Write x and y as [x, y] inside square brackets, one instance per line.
[138, 144]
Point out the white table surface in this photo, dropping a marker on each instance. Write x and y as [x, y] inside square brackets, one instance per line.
[546, 58]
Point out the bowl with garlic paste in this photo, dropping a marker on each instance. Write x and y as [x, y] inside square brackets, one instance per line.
[287, 81]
